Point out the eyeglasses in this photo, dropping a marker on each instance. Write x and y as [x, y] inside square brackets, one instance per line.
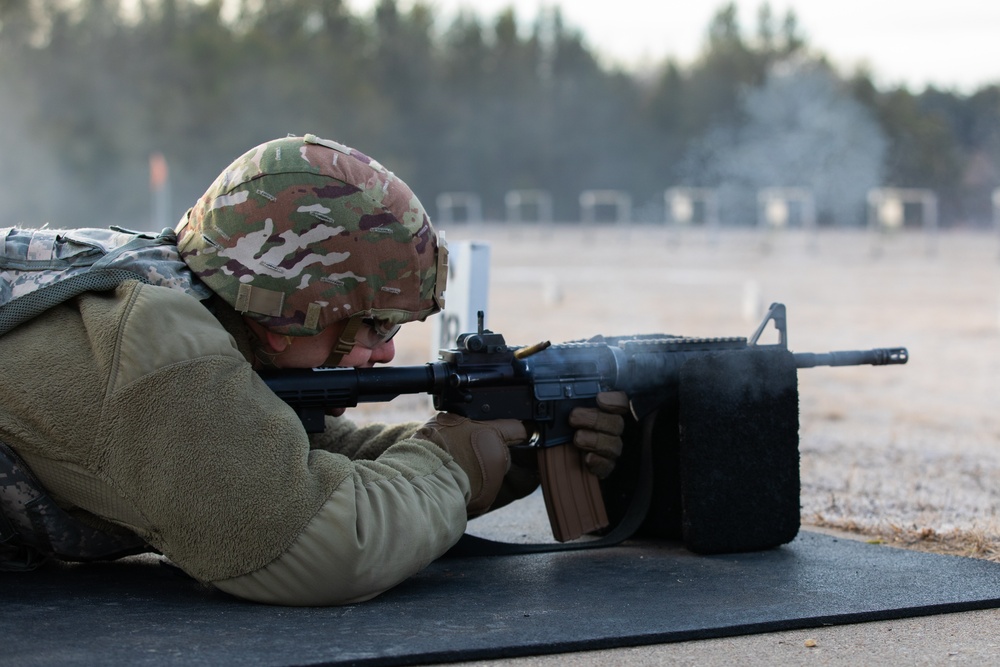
[380, 332]
[370, 333]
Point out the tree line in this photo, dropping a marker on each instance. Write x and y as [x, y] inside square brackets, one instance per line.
[90, 89]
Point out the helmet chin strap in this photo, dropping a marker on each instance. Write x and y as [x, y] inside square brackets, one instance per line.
[345, 343]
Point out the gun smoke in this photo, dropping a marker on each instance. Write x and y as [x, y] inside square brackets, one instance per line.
[799, 129]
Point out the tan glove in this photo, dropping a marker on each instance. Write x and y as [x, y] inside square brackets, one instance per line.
[479, 449]
[599, 430]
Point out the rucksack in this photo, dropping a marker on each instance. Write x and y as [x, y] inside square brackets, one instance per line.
[41, 268]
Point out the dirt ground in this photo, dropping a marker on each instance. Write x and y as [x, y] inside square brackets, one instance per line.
[907, 455]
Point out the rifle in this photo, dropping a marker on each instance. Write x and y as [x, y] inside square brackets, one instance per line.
[483, 378]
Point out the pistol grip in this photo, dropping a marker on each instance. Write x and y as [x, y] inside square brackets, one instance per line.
[572, 493]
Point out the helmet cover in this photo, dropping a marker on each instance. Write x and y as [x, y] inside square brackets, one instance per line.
[302, 232]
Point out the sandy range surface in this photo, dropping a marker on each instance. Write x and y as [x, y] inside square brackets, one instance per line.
[905, 454]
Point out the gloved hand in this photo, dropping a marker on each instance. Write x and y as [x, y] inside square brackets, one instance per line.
[599, 430]
[479, 449]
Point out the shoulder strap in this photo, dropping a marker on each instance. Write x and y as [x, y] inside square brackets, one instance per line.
[40, 269]
[24, 308]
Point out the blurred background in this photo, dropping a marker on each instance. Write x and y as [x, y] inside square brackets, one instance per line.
[750, 147]
[123, 111]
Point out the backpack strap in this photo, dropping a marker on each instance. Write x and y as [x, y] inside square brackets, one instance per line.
[25, 307]
[33, 261]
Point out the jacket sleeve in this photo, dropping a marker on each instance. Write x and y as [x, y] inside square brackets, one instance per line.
[228, 487]
[363, 539]
[343, 436]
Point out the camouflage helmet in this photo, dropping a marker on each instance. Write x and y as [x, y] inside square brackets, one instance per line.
[302, 232]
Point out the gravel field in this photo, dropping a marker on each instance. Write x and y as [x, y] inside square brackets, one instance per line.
[908, 455]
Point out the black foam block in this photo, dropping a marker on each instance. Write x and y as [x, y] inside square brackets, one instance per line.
[739, 450]
[139, 612]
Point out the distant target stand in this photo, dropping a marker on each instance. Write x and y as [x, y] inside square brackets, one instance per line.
[528, 207]
[688, 207]
[892, 210]
[457, 207]
[596, 204]
[782, 208]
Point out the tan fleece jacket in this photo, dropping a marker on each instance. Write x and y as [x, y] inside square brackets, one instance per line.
[137, 409]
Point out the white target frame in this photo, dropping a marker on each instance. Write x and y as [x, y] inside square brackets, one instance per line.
[887, 213]
[516, 201]
[774, 208]
[680, 204]
[590, 200]
[450, 202]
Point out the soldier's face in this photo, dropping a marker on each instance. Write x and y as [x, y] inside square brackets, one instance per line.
[366, 357]
[313, 351]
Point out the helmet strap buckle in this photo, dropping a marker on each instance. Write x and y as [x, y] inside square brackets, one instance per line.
[346, 341]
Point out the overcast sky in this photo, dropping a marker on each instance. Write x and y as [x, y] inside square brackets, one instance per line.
[952, 44]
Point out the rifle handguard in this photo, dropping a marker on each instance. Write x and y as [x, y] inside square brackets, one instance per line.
[572, 493]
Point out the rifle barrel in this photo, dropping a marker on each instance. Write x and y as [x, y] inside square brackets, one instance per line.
[882, 356]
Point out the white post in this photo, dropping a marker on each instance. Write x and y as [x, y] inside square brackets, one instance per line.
[466, 295]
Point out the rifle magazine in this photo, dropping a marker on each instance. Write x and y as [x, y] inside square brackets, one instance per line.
[572, 493]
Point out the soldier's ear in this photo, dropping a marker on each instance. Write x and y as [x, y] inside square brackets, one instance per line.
[276, 342]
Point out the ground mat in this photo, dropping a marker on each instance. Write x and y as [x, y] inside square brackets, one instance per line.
[143, 612]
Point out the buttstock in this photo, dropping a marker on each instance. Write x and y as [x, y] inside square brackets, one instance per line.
[572, 493]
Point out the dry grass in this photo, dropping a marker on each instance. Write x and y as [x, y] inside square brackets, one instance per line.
[956, 542]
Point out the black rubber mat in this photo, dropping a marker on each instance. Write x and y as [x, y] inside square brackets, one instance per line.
[142, 612]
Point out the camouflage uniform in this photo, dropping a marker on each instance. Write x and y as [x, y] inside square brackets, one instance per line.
[139, 413]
